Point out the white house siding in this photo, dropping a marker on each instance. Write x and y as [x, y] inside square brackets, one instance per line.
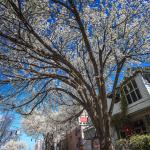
[116, 108]
[148, 87]
[142, 86]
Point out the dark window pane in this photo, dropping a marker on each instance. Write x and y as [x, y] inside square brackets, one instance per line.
[147, 77]
[130, 86]
[125, 89]
[129, 99]
[147, 119]
[134, 97]
[122, 134]
[139, 126]
[138, 93]
[134, 83]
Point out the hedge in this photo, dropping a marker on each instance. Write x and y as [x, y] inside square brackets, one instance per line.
[136, 142]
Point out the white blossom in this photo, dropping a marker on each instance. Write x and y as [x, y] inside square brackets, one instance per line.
[14, 145]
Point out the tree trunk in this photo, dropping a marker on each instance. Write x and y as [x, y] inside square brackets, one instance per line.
[106, 141]
[107, 145]
[49, 143]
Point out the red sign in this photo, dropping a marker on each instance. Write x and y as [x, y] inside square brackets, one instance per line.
[84, 119]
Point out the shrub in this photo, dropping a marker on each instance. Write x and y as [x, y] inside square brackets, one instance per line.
[141, 142]
[136, 142]
[122, 144]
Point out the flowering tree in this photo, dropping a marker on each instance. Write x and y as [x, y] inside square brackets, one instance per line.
[14, 145]
[49, 125]
[5, 132]
[70, 48]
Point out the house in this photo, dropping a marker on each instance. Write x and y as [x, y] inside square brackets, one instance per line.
[72, 140]
[136, 91]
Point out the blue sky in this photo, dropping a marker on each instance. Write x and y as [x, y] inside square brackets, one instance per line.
[23, 137]
[27, 139]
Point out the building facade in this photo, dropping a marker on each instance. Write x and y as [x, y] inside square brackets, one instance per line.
[72, 140]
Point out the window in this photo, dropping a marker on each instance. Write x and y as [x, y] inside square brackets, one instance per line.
[131, 91]
[146, 76]
[139, 126]
[147, 117]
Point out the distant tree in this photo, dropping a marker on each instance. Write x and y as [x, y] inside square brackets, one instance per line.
[5, 124]
[14, 145]
[70, 48]
[46, 124]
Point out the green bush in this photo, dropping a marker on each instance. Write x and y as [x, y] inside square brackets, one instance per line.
[122, 144]
[136, 142]
[141, 142]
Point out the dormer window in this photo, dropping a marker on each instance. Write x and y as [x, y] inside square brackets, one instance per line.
[131, 91]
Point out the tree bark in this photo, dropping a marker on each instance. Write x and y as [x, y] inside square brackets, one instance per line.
[106, 144]
[106, 141]
[49, 143]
